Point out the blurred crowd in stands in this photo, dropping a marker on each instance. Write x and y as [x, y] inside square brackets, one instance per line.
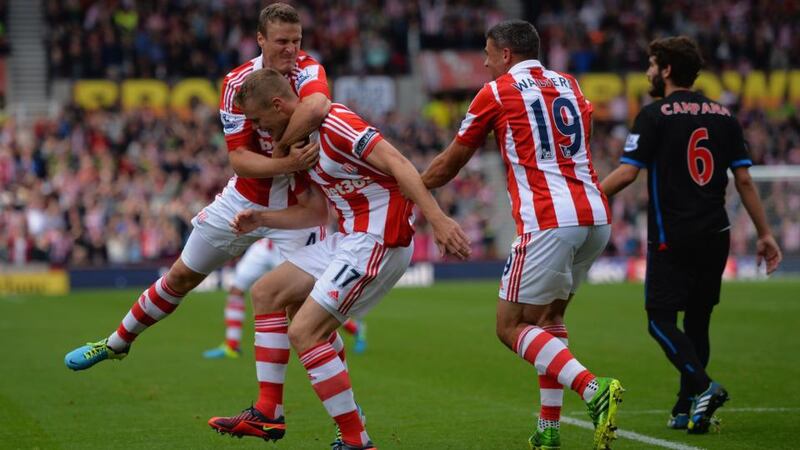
[173, 39]
[4, 44]
[176, 38]
[119, 187]
[612, 35]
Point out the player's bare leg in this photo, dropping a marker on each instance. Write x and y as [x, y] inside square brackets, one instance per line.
[521, 328]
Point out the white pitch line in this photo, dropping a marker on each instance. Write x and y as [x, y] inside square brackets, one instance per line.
[633, 436]
[722, 410]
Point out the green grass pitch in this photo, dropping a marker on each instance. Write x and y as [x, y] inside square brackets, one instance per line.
[434, 375]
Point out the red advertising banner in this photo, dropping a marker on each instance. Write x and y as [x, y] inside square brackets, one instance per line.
[452, 70]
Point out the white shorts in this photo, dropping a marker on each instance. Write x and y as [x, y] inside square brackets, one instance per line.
[212, 243]
[550, 264]
[353, 271]
[259, 259]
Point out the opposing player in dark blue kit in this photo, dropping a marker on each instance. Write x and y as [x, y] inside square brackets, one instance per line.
[687, 143]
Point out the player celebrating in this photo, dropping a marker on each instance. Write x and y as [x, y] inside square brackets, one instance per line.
[259, 259]
[369, 183]
[541, 122]
[687, 143]
[261, 182]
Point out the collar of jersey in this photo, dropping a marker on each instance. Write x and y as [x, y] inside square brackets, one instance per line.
[527, 64]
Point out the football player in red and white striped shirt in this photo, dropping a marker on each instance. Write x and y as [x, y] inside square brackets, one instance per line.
[541, 122]
[371, 187]
[261, 182]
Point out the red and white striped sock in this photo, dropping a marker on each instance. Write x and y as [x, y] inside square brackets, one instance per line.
[155, 303]
[272, 357]
[337, 343]
[551, 392]
[331, 382]
[551, 357]
[234, 317]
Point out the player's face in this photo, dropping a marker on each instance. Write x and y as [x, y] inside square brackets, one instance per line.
[495, 60]
[657, 83]
[270, 118]
[281, 45]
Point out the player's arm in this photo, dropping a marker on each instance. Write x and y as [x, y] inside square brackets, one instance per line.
[311, 210]
[446, 165]
[307, 118]
[481, 116]
[249, 164]
[766, 247]
[636, 155]
[619, 179]
[448, 234]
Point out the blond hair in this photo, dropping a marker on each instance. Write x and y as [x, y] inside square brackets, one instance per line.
[263, 85]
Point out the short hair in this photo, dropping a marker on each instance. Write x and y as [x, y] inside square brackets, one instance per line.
[681, 54]
[518, 35]
[262, 85]
[276, 12]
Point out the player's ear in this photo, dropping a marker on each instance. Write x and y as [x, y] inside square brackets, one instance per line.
[506, 55]
[261, 39]
[277, 103]
[666, 71]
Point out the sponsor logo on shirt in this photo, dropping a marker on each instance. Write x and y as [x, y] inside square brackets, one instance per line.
[632, 143]
[363, 141]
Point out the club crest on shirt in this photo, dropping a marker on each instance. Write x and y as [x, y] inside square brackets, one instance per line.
[632, 143]
[364, 140]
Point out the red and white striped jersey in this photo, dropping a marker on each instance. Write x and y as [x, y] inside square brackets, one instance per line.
[541, 122]
[365, 199]
[308, 77]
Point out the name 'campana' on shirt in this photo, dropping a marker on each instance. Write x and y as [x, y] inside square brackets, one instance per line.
[694, 109]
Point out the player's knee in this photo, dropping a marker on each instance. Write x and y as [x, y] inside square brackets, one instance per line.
[264, 298]
[182, 279]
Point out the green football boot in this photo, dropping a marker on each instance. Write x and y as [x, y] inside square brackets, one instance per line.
[603, 411]
[547, 439]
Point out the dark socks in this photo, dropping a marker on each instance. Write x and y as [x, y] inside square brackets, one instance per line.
[680, 350]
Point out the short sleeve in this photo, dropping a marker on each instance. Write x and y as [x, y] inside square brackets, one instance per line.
[641, 140]
[480, 118]
[237, 129]
[740, 155]
[311, 79]
[351, 133]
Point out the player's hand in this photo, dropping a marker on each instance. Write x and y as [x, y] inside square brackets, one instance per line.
[245, 221]
[450, 238]
[767, 250]
[304, 154]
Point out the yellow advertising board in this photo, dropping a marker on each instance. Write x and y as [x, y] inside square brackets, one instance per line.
[47, 282]
[755, 89]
